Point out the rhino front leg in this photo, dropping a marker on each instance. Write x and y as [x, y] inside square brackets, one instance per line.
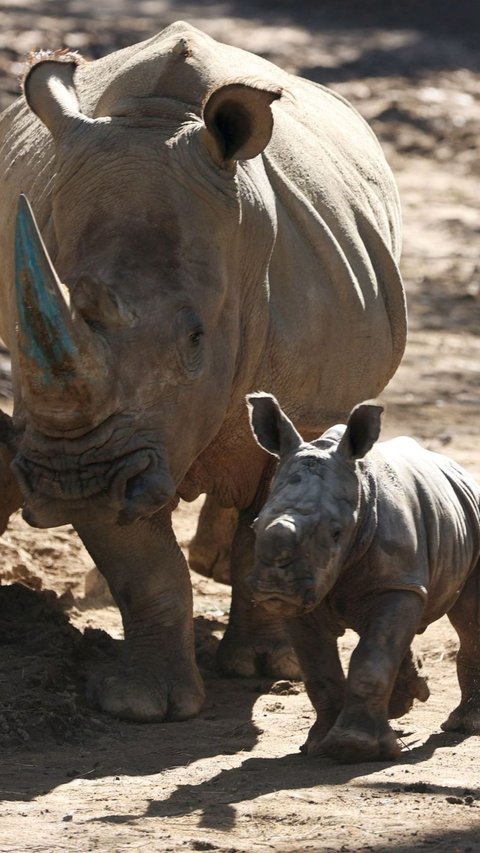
[10, 495]
[315, 642]
[156, 677]
[465, 618]
[361, 731]
[255, 642]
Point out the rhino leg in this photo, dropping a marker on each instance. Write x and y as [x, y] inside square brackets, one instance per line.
[156, 677]
[465, 618]
[315, 642]
[410, 685]
[209, 553]
[10, 495]
[255, 642]
[361, 731]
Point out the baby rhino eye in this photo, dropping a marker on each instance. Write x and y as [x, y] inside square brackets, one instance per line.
[335, 532]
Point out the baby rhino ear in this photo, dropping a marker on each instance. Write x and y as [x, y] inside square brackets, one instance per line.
[363, 430]
[270, 426]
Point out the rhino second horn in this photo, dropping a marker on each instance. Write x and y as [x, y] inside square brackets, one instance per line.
[63, 368]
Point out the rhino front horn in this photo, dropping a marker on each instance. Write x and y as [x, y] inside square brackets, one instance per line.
[63, 366]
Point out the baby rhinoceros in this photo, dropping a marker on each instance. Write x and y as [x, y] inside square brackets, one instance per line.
[382, 538]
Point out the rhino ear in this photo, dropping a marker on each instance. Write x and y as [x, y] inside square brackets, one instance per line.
[50, 93]
[271, 427]
[363, 430]
[239, 121]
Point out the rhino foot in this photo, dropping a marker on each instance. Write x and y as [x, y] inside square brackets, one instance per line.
[463, 719]
[126, 693]
[316, 736]
[243, 657]
[349, 745]
[403, 696]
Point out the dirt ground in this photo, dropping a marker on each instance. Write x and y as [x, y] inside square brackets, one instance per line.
[233, 778]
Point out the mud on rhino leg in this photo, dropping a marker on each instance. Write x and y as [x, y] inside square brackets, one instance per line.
[361, 731]
[156, 677]
[465, 618]
[210, 550]
[255, 642]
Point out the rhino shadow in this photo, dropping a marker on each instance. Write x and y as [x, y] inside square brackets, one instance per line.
[257, 777]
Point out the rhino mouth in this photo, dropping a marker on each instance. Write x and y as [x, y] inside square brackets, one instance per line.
[286, 588]
[57, 488]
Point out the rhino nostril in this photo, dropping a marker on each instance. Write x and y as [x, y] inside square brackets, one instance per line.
[145, 493]
[143, 487]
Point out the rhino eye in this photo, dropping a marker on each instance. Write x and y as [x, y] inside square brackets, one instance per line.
[190, 335]
[195, 337]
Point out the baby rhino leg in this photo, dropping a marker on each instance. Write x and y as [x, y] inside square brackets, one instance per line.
[361, 731]
[410, 685]
[465, 618]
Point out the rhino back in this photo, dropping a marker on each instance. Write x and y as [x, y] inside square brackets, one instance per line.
[428, 531]
[333, 274]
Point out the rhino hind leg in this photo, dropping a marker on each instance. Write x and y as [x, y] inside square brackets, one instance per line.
[209, 553]
[465, 618]
[410, 685]
[255, 642]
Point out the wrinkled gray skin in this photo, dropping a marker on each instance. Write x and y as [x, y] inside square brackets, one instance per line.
[382, 538]
[216, 226]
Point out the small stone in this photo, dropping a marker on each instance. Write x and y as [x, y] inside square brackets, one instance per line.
[284, 688]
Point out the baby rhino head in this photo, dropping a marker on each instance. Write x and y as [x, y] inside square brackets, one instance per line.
[305, 530]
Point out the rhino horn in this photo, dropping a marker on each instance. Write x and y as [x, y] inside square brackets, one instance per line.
[64, 371]
[280, 540]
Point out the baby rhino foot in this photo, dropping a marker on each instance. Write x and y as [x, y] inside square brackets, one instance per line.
[316, 736]
[463, 719]
[410, 685]
[403, 696]
[349, 745]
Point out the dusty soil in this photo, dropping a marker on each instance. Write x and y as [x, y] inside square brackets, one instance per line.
[233, 779]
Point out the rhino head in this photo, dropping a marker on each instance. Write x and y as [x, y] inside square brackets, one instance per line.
[128, 342]
[306, 530]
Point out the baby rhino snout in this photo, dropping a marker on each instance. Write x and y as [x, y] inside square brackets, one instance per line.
[278, 542]
[279, 581]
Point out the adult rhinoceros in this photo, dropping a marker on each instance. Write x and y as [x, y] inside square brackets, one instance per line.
[214, 226]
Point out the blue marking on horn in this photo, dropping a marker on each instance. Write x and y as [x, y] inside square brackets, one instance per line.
[43, 320]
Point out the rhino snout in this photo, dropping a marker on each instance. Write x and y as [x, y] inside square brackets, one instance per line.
[58, 488]
[278, 542]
